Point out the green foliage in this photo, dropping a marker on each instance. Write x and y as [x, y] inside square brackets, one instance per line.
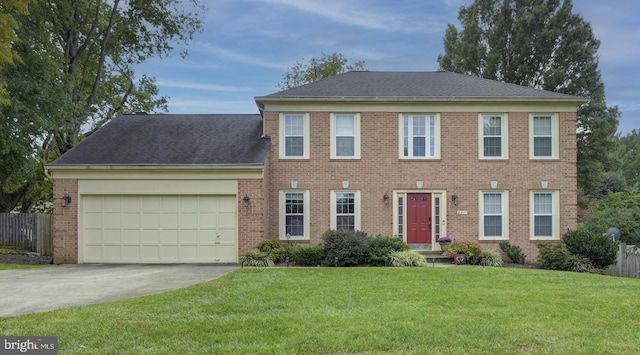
[596, 247]
[544, 45]
[345, 248]
[629, 159]
[275, 249]
[76, 72]
[490, 258]
[13, 251]
[578, 263]
[381, 247]
[553, 256]
[470, 249]
[620, 210]
[514, 252]
[254, 258]
[318, 68]
[406, 258]
[308, 255]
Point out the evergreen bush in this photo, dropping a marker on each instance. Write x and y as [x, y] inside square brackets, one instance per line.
[345, 248]
[381, 248]
[553, 256]
[514, 252]
[308, 255]
[598, 248]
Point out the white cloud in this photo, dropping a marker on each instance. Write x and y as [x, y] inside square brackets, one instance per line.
[198, 86]
[252, 59]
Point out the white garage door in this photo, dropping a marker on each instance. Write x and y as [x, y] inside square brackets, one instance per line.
[159, 229]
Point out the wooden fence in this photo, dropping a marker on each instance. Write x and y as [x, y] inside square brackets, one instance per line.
[627, 263]
[28, 231]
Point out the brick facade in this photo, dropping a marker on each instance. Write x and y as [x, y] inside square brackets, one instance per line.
[65, 222]
[459, 170]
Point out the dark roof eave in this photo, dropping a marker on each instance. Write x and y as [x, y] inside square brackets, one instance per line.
[574, 99]
[154, 166]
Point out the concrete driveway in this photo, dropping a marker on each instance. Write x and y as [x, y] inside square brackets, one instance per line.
[59, 286]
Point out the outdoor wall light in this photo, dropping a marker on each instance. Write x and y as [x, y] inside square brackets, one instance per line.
[246, 199]
[66, 199]
[454, 199]
[385, 199]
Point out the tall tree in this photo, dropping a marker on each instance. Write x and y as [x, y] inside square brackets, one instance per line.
[76, 73]
[541, 44]
[317, 68]
[8, 26]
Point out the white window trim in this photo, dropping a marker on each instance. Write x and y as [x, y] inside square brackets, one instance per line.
[505, 215]
[358, 208]
[282, 219]
[505, 136]
[305, 138]
[436, 136]
[555, 138]
[356, 137]
[555, 218]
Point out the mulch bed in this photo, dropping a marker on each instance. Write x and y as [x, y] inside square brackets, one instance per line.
[25, 259]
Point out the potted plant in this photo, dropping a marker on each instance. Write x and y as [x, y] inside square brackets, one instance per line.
[444, 243]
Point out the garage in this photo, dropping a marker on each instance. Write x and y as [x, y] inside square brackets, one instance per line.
[158, 229]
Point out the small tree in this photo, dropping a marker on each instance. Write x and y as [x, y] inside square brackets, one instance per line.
[318, 68]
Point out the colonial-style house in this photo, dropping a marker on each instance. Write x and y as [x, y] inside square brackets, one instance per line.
[417, 155]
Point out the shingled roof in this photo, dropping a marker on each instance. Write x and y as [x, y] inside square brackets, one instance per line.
[172, 140]
[413, 86]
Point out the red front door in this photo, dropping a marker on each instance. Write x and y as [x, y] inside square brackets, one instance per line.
[419, 219]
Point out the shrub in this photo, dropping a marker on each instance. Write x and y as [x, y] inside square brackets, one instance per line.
[514, 252]
[345, 248]
[406, 258]
[579, 263]
[598, 248]
[308, 255]
[470, 249]
[553, 256]
[274, 248]
[621, 210]
[490, 258]
[254, 258]
[381, 248]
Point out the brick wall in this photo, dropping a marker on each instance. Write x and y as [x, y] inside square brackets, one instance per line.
[251, 219]
[65, 222]
[459, 171]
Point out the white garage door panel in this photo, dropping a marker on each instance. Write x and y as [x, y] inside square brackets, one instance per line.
[150, 229]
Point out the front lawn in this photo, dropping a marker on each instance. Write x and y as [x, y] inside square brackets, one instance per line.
[426, 310]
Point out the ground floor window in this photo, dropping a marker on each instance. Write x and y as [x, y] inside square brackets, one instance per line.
[493, 215]
[544, 215]
[294, 219]
[345, 210]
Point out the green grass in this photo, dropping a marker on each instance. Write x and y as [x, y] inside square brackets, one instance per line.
[456, 310]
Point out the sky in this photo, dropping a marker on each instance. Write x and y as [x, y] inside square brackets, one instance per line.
[246, 46]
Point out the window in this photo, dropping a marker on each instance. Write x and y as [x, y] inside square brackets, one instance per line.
[294, 221]
[493, 132]
[345, 210]
[345, 136]
[544, 223]
[493, 215]
[294, 131]
[420, 136]
[543, 137]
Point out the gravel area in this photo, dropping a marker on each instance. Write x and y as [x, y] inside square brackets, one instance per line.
[25, 259]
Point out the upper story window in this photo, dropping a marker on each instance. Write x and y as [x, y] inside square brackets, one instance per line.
[543, 141]
[420, 136]
[294, 136]
[494, 214]
[345, 136]
[493, 136]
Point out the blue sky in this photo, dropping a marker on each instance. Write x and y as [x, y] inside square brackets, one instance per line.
[247, 45]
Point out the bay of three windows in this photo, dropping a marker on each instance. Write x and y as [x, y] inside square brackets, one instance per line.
[420, 136]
